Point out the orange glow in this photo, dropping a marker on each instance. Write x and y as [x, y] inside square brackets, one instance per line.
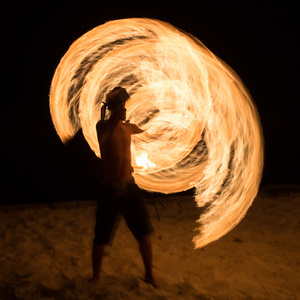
[203, 129]
[144, 162]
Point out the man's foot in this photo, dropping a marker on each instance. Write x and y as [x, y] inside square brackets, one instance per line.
[151, 280]
[94, 283]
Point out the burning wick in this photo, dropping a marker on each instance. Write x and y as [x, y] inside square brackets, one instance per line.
[143, 161]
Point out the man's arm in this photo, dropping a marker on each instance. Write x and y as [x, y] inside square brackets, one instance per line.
[101, 126]
[134, 128]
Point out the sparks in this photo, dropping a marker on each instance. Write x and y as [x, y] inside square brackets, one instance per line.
[204, 127]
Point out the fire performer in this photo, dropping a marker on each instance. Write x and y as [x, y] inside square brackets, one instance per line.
[120, 193]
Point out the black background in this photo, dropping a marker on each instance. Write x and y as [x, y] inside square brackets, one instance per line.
[258, 39]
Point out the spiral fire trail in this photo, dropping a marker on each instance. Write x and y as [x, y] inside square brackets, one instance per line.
[204, 128]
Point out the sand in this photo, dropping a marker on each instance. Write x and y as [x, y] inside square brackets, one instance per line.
[45, 253]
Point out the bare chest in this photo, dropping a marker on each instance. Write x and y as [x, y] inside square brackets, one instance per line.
[116, 141]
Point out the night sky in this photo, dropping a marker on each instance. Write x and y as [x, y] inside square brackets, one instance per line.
[256, 38]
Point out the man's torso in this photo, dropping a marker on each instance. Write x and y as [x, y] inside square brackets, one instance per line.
[115, 152]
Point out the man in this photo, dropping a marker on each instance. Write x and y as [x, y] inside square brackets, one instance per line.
[120, 193]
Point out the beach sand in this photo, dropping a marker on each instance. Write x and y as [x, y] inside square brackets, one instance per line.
[45, 252]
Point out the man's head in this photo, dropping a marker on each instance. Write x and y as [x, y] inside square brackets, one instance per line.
[115, 97]
[115, 102]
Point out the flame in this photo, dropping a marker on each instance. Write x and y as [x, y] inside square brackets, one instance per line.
[144, 162]
[204, 129]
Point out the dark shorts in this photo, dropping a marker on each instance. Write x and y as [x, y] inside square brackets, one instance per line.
[130, 205]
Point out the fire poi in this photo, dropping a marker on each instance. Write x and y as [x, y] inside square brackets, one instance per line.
[204, 128]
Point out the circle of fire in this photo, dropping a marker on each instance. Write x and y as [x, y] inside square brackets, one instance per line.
[204, 130]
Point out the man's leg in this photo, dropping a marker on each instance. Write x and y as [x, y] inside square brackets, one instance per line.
[106, 224]
[98, 253]
[136, 215]
[146, 251]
